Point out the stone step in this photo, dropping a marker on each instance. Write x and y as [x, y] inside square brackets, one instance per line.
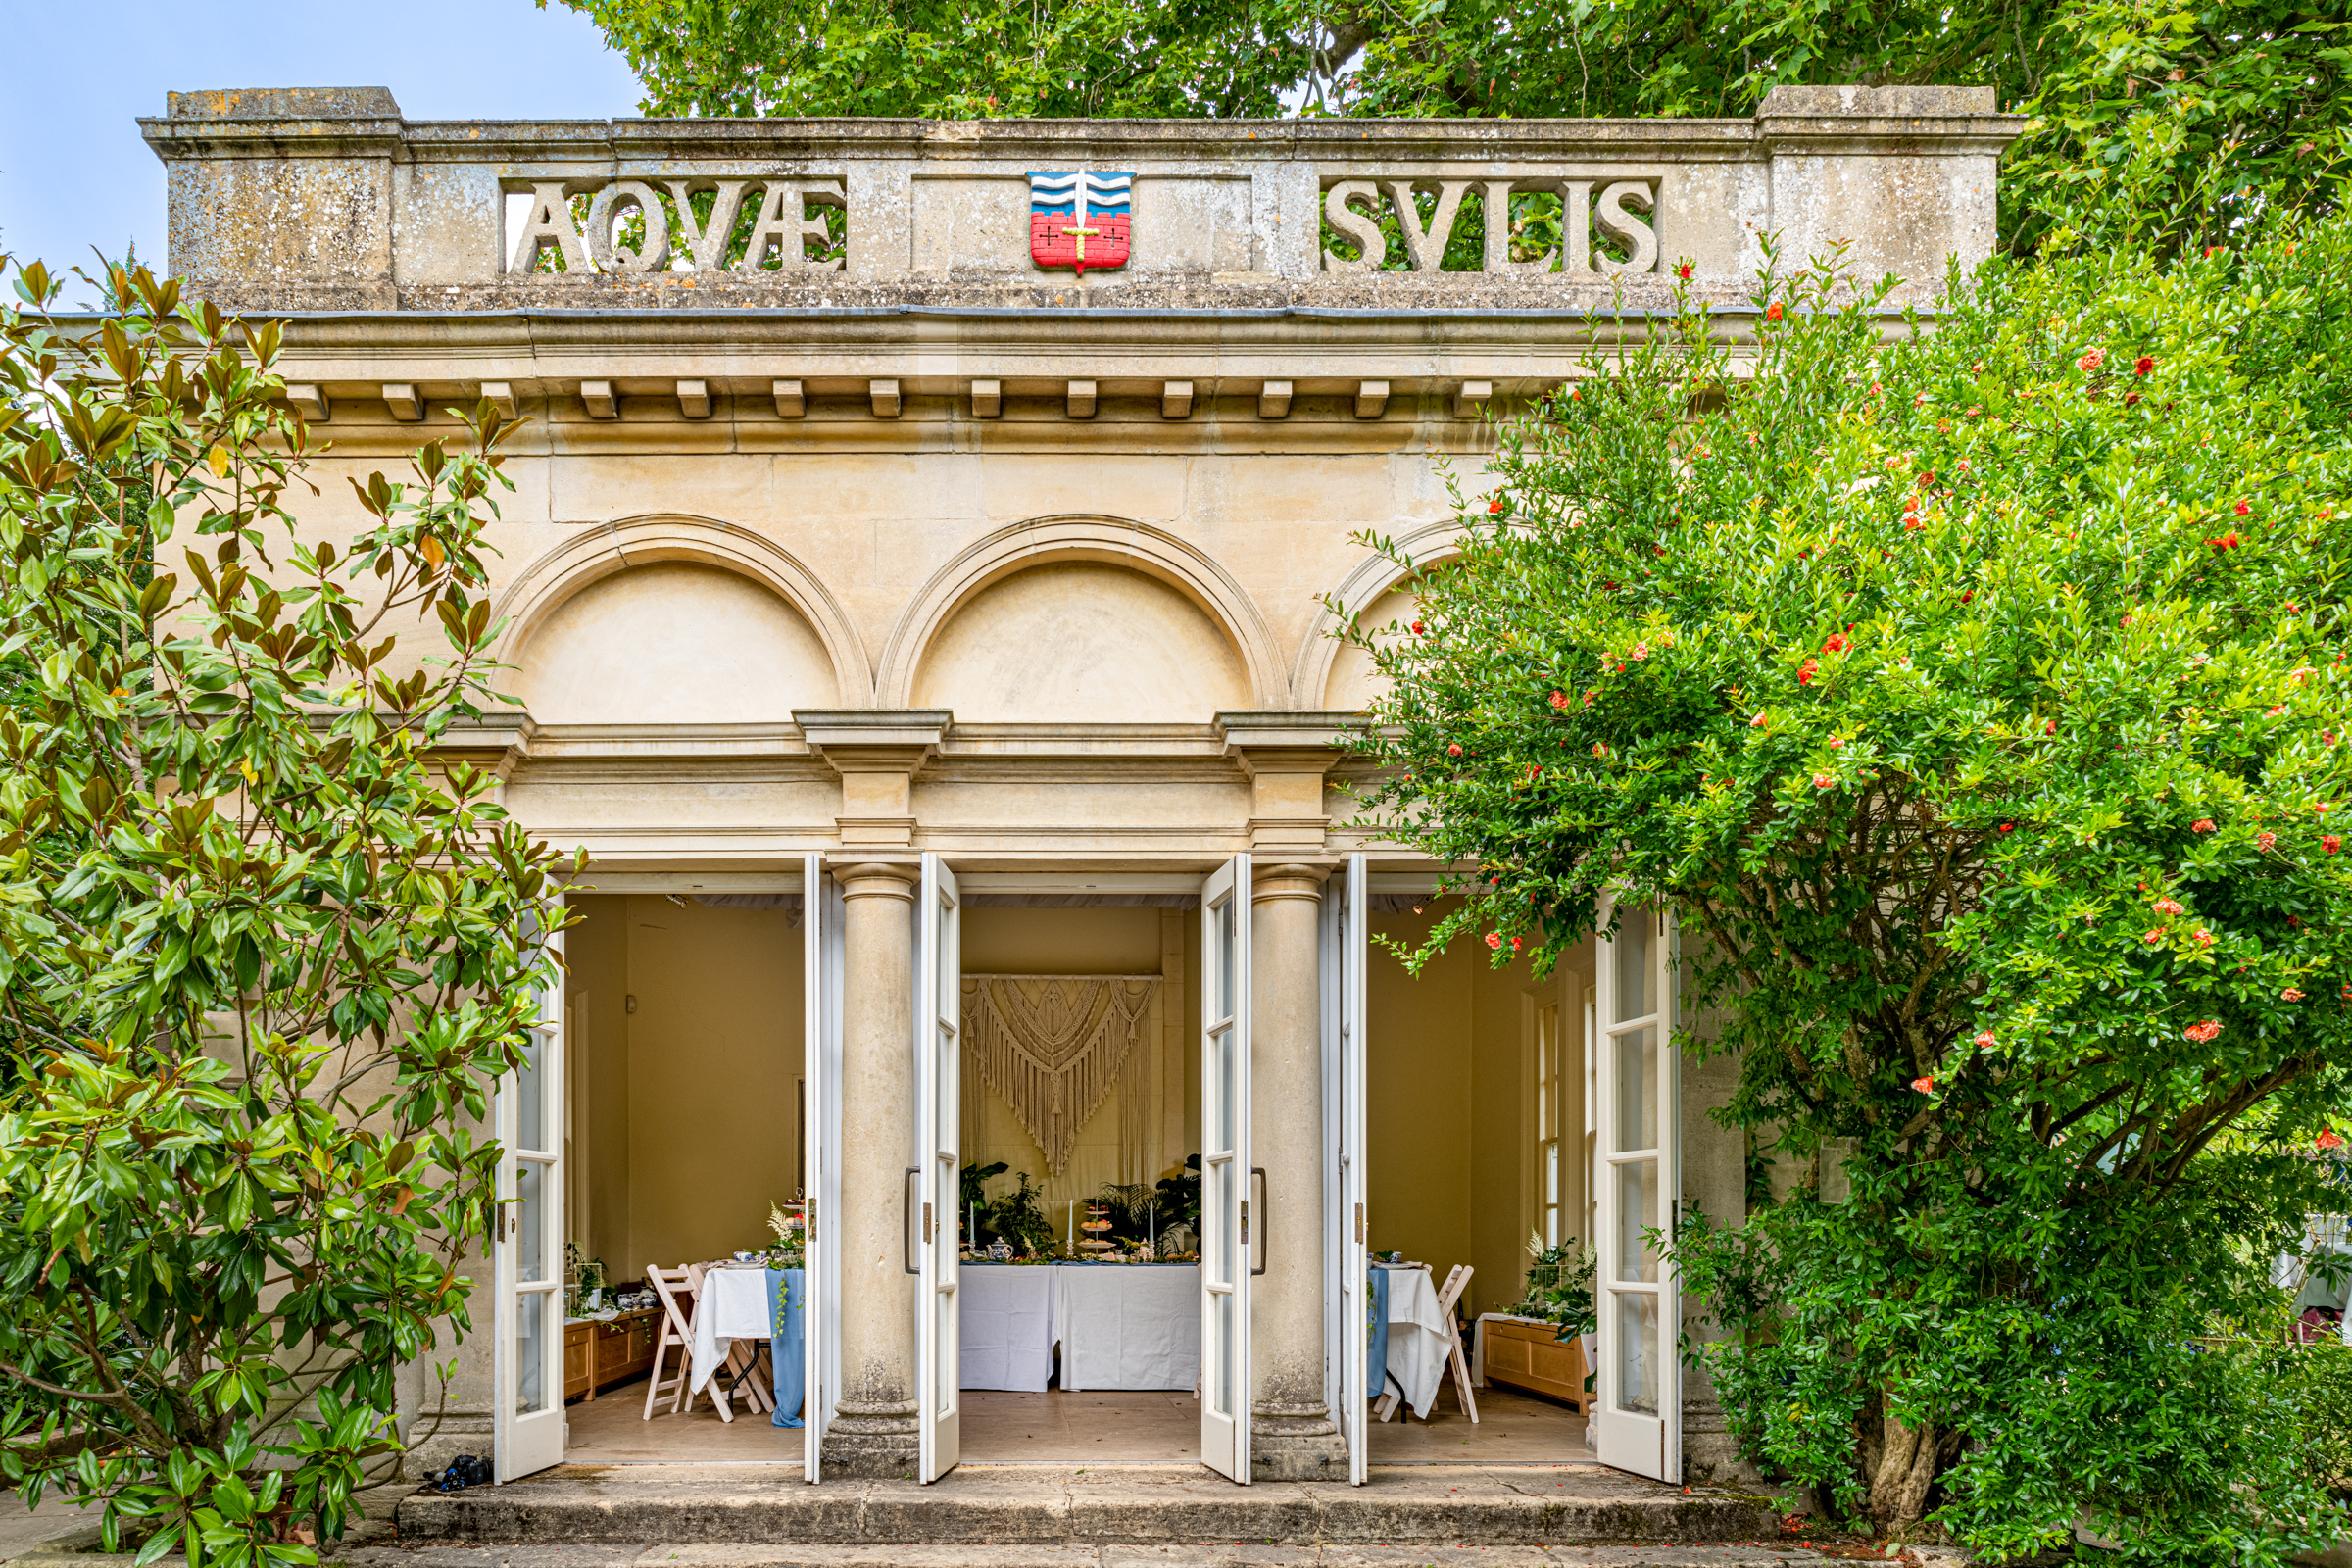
[1036, 1505]
[758, 1556]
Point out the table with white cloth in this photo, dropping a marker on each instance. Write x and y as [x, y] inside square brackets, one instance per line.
[1005, 1326]
[733, 1305]
[1418, 1337]
[1119, 1325]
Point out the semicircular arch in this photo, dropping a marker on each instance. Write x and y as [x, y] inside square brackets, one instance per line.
[1374, 578]
[1119, 542]
[577, 564]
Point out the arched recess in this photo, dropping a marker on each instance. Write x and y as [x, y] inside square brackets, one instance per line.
[1375, 591]
[1133, 547]
[534, 602]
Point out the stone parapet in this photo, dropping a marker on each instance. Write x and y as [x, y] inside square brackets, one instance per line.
[287, 200]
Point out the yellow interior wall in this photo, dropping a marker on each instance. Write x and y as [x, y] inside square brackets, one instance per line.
[709, 1072]
[596, 957]
[1447, 1118]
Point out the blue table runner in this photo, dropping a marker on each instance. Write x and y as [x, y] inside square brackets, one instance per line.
[787, 1322]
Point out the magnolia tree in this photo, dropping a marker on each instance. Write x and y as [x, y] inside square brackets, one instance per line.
[261, 958]
[1975, 695]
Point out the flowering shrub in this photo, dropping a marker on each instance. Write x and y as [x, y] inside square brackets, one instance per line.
[2048, 951]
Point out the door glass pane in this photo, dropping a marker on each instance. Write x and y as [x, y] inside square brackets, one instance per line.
[1223, 1115]
[530, 1351]
[1637, 1064]
[1637, 1212]
[1637, 1352]
[530, 1221]
[1220, 1355]
[1632, 992]
[530, 1097]
[1220, 1215]
[1223, 960]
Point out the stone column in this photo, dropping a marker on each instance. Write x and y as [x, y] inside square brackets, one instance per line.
[873, 1429]
[1291, 1437]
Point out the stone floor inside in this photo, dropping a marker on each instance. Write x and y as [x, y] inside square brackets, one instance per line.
[1054, 1427]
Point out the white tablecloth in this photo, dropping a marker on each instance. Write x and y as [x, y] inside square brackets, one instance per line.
[1132, 1326]
[1005, 1317]
[1119, 1326]
[1418, 1342]
[733, 1306]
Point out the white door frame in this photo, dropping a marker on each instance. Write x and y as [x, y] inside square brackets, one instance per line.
[1225, 1250]
[939, 1057]
[822, 922]
[528, 1419]
[1346, 1281]
[1638, 1423]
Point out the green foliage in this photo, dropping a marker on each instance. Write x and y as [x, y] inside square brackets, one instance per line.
[1976, 698]
[1559, 1287]
[2255, 93]
[1020, 1216]
[261, 958]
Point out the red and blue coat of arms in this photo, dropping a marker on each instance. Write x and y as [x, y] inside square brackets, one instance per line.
[1078, 217]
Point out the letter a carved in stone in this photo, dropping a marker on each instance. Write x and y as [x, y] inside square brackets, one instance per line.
[549, 224]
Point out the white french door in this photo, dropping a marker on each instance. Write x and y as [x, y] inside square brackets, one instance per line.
[1639, 1426]
[1225, 1170]
[939, 1050]
[822, 922]
[1347, 1326]
[527, 1237]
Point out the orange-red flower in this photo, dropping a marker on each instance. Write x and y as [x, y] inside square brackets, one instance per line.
[2202, 1032]
[2203, 824]
[2144, 364]
[1494, 939]
[1773, 312]
[1925, 1086]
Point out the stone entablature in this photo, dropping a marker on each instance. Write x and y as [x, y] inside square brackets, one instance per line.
[325, 199]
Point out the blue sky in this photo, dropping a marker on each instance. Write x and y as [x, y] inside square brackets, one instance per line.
[74, 172]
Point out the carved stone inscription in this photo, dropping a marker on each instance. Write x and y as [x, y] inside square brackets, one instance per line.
[1353, 209]
[669, 236]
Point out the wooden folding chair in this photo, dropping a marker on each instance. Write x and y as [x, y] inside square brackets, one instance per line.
[674, 1330]
[1455, 1361]
[732, 1378]
[1458, 1363]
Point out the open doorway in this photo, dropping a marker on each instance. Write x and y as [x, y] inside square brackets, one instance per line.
[684, 1135]
[1477, 1143]
[1079, 1323]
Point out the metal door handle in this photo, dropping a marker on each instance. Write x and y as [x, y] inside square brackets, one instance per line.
[1359, 1224]
[1257, 1175]
[907, 1220]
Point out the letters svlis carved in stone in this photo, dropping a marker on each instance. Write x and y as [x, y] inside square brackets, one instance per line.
[783, 233]
[1351, 207]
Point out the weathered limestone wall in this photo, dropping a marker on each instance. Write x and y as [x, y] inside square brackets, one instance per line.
[326, 199]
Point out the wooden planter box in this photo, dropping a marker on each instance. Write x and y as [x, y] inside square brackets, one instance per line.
[599, 1355]
[1532, 1357]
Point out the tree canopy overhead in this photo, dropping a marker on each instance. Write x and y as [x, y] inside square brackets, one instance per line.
[2257, 86]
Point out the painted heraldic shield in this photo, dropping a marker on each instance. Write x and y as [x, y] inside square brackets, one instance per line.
[1078, 217]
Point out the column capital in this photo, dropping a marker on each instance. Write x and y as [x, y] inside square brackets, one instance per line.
[878, 879]
[1288, 879]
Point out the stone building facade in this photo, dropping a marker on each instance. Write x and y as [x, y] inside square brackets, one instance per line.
[872, 554]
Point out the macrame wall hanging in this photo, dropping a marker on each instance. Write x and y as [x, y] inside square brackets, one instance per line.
[1055, 1045]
